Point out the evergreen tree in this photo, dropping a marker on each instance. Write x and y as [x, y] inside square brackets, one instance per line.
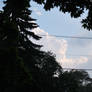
[15, 23]
[17, 12]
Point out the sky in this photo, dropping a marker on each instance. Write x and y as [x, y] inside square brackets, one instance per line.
[70, 53]
[1, 3]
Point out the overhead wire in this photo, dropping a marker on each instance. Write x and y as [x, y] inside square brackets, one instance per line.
[63, 36]
[76, 37]
[77, 69]
[73, 37]
[77, 55]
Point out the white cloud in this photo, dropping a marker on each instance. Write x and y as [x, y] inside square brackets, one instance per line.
[59, 47]
[37, 12]
[73, 62]
[82, 47]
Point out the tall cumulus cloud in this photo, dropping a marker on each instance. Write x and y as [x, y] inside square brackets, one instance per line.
[58, 47]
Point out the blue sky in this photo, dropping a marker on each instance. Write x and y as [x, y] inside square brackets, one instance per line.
[55, 22]
[1, 3]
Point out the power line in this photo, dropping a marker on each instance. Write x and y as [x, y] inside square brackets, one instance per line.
[62, 36]
[73, 37]
[77, 69]
[70, 37]
[76, 55]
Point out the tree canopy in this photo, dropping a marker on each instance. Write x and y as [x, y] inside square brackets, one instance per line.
[23, 66]
[74, 7]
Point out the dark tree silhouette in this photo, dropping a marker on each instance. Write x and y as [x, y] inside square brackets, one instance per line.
[15, 23]
[20, 57]
[75, 7]
[73, 81]
[23, 67]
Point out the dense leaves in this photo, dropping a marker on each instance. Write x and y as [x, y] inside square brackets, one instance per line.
[74, 7]
[15, 23]
[23, 67]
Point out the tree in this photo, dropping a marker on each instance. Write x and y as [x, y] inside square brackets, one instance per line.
[15, 22]
[23, 66]
[17, 51]
[75, 7]
[43, 68]
[73, 81]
